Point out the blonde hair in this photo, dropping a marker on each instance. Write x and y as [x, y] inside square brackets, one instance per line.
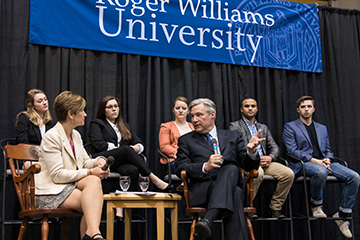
[68, 101]
[30, 111]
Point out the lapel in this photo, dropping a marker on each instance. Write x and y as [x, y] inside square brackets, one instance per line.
[223, 139]
[38, 133]
[111, 130]
[262, 135]
[302, 128]
[317, 130]
[175, 129]
[243, 126]
[66, 143]
[201, 141]
[247, 136]
[78, 148]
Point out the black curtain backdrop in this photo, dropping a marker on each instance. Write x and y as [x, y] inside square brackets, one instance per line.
[147, 86]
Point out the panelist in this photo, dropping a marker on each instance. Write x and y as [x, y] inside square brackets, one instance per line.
[32, 124]
[171, 131]
[68, 177]
[110, 135]
[309, 141]
[215, 179]
[269, 152]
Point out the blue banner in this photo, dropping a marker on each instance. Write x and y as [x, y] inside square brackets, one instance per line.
[274, 34]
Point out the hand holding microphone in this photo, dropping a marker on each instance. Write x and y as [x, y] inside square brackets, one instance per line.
[215, 159]
[215, 148]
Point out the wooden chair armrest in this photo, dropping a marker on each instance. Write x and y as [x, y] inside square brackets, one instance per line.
[250, 185]
[252, 174]
[33, 169]
[186, 188]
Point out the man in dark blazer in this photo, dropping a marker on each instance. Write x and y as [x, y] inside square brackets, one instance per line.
[308, 141]
[215, 179]
[269, 152]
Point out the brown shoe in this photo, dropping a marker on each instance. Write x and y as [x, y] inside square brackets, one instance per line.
[276, 213]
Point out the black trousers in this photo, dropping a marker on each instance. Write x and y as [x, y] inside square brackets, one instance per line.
[227, 193]
[128, 163]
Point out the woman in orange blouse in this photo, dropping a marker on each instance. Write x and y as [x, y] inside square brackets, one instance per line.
[171, 131]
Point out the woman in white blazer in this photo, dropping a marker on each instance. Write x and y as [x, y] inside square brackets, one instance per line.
[68, 177]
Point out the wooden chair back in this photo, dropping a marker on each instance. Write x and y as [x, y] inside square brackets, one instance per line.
[195, 213]
[22, 161]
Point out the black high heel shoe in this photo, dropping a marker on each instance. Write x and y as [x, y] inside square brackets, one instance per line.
[168, 189]
[119, 219]
[87, 237]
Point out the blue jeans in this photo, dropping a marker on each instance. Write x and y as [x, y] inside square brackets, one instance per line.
[318, 174]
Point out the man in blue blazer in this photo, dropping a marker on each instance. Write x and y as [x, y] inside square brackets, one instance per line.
[215, 179]
[308, 141]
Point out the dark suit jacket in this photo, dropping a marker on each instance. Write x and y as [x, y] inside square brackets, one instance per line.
[269, 146]
[27, 132]
[298, 144]
[194, 150]
[101, 133]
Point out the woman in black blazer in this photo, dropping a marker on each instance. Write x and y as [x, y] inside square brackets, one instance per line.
[110, 136]
[32, 124]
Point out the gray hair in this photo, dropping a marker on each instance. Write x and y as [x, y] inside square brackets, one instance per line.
[209, 105]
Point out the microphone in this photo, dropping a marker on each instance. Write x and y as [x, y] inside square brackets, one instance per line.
[110, 160]
[214, 146]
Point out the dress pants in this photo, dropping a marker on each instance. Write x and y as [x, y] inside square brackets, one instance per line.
[225, 193]
[128, 163]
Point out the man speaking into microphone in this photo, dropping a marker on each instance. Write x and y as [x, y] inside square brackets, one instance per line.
[212, 166]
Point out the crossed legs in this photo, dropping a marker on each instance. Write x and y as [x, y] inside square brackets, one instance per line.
[87, 198]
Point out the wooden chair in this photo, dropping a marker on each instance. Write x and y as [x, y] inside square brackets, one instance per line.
[195, 213]
[24, 182]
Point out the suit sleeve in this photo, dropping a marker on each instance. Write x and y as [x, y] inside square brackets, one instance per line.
[183, 161]
[234, 126]
[164, 141]
[243, 158]
[289, 139]
[96, 136]
[328, 152]
[22, 129]
[51, 151]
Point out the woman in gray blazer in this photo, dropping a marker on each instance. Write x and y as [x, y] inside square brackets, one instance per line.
[68, 177]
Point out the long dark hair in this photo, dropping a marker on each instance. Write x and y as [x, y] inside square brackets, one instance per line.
[119, 121]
